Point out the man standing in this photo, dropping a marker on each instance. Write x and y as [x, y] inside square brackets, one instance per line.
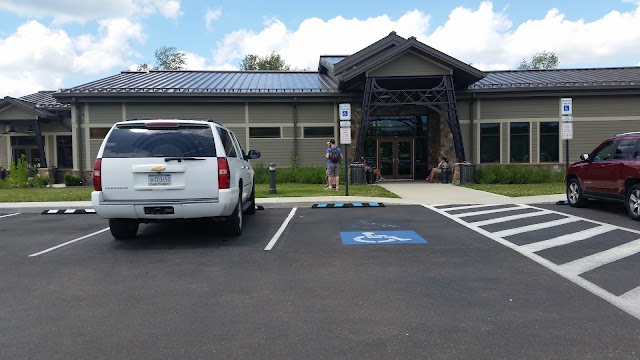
[326, 169]
[334, 154]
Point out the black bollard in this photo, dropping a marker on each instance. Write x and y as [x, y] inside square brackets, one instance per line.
[272, 178]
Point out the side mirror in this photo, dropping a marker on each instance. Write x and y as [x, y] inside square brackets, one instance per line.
[253, 154]
[584, 157]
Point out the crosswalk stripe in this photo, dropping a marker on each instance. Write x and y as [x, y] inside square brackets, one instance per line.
[632, 296]
[591, 262]
[465, 207]
[484, 212]
[568, 239]
[509, 218]
[544, 225]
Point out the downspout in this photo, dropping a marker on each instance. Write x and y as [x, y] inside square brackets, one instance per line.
[473, 133]
[295, 130]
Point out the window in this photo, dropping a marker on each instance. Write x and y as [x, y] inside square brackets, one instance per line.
[519, 142]
[98, 133]
[229, 147]
[549, 148]
[490, 143]
[318, 132]
[604, 152]
[626, 149]
[136, 141]
[65, 151]
[264, 132]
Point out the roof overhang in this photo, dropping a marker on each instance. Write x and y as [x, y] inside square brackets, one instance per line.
[26, 106]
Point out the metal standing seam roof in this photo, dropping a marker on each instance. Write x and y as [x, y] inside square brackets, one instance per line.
[510, 79]
[214, 82]
[43, 100]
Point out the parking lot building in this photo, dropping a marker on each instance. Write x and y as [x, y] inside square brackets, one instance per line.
[410, 103]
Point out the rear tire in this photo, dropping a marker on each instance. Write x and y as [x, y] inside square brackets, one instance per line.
[574, 193]
[123, 229]
[252, 201]
[633, 202]
[234, 221]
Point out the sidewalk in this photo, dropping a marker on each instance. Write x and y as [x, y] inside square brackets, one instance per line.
[410, 192]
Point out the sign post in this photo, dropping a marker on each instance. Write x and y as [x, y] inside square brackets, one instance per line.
[344, 111]
[566, 114]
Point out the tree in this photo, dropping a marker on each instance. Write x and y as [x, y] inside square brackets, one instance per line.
[541, 60]
[269, 62]
[167, 58]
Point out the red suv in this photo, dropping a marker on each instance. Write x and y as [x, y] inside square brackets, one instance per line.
[610, 172]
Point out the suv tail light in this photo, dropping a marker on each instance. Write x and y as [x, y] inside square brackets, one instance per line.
[224, 178]
[97, 175]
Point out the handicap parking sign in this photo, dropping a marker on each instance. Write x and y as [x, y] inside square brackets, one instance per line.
[381, 237]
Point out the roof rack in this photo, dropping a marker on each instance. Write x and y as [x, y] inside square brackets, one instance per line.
[172, 118]
[629, 133]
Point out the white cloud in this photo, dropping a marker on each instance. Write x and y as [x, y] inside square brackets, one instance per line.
[482, 36]
[41, 57]
[83, 11]
[212, 15]
[314, 37]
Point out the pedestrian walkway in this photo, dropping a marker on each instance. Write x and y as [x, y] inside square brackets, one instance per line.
[410, 192]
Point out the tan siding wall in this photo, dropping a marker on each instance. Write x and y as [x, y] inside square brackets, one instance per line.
[463, 110]
[14, 113]
[316, 113]
[270, 113]
[273, 150]
[520, 108]
[505, 142]
[4, 156]
[465, 128]
[56, 126]
[287, 132]
[223, 113]
[311, 152]
[410, 65]
[105, 113]
[589, 134]
[241, 134]
[533, 127]
[95, 146]
[50, 144]
[609, 106]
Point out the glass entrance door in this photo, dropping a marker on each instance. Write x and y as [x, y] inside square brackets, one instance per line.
[395, 158]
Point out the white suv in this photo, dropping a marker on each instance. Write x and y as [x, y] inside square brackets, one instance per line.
[158, 170]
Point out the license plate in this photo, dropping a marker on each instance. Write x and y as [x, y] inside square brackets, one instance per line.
[155, 180]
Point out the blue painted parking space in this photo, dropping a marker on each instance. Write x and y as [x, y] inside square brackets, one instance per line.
[381, 237]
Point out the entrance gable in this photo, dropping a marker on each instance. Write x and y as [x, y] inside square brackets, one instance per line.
[410, 64]
[14, 113]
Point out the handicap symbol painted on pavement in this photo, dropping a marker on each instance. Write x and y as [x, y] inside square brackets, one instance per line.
[381, 237]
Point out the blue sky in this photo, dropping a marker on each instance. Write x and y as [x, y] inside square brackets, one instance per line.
[47, 45]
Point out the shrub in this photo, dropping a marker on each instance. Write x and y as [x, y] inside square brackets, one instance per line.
[72, 180]
[39, 181]
[5, 184]
[19, 173]
[517, 174]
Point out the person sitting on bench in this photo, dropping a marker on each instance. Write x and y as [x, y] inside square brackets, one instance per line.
[443, 163]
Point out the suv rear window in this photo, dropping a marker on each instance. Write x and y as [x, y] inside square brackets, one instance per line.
[138, 141]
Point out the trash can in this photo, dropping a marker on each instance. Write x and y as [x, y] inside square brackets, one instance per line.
[467, 173]
[357, 174]
[3, 174]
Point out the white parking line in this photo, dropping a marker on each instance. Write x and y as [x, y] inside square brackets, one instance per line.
[277, 235]
[510, 217]
[485, 212]
[68, 242]
[632, 296]
[544, 225]
[465, 207]
[591, 262]
[9, 215]
[568, 239]
[630, 302]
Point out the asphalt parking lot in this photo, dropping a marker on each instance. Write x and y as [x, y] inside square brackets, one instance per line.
[389, 282]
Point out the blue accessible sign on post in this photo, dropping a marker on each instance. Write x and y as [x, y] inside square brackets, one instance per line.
[381, 237]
